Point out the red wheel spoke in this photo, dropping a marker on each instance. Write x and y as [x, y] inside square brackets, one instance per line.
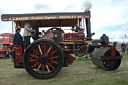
[31, 60]
[51, 65]
[42, 69]
[34, 56]
[47, 68]
[52, 53]
[44, 48]
[36, 51]
[37, 63]
[54, 62]
[53, 57]
[40, 50]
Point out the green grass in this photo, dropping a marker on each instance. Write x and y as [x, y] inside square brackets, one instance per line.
[125, 56]
[81, 72]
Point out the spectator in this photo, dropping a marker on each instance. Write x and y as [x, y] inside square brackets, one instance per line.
[123, 47]
[27, 34]
[9, 53]
[36, 29]
[127, 47]
[4, 53]
[18, 40]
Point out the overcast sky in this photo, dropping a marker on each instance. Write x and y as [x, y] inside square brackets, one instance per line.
[107, 16]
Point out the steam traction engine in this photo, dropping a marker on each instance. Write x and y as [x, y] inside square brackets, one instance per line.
[45, 57]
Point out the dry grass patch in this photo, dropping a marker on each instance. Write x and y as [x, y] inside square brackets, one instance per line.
[81, 72]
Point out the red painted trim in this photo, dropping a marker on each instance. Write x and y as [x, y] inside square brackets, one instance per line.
[112, 49]
[71, 59]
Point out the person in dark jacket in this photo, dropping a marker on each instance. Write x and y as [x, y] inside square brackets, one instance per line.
[104, 39]
[18, 39]
[4, 53]
[123, 47]
[36, 31]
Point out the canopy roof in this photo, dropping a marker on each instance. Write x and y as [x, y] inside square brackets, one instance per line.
[47, 19]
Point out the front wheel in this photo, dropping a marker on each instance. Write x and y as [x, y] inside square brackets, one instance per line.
[43, 59]
[102, 58]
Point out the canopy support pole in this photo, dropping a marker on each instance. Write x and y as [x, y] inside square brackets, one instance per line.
[12, 28]
[60, 24]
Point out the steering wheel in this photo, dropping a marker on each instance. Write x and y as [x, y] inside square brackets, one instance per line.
[55, 30]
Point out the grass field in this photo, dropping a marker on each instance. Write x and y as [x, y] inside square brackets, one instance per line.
[81, 72]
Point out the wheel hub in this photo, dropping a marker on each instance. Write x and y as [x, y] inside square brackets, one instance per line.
[43, 59]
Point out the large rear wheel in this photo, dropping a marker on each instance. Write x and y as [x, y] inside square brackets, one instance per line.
[43, 59]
